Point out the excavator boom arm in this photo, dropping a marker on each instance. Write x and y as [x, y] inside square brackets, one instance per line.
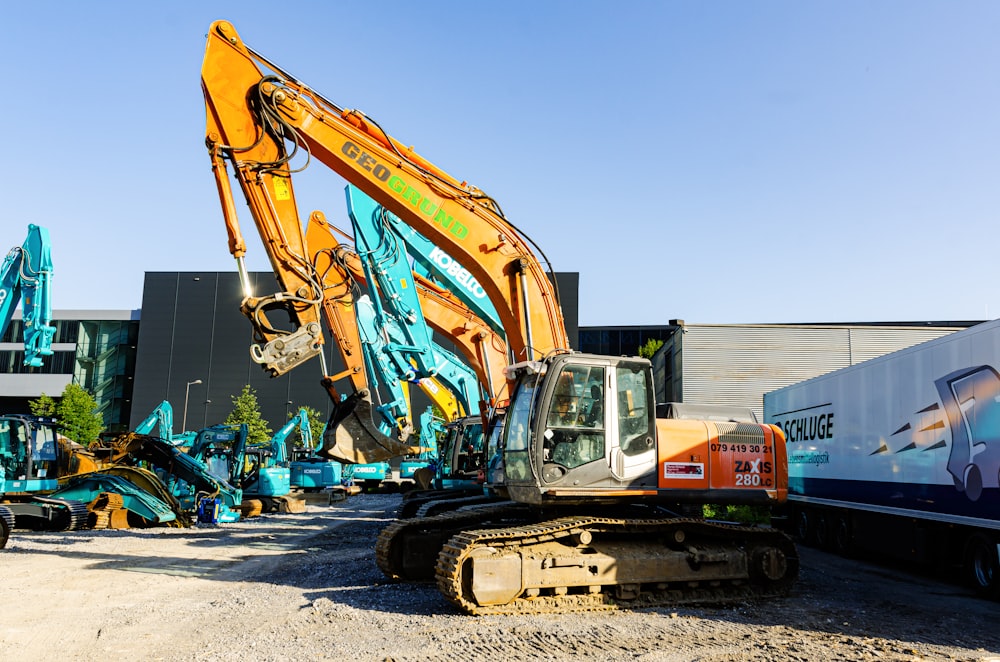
[253, 114]
[26, 277]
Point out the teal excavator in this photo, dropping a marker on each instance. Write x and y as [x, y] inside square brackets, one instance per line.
[398, 342]
[27, 447]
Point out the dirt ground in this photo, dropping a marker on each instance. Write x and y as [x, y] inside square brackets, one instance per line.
[306, 587]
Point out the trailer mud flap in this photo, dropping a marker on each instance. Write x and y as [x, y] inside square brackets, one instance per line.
[352, 438]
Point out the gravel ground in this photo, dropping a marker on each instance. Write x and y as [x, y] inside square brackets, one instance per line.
[306, 587]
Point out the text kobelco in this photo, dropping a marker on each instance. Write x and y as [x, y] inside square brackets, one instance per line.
[458, 272]
[404, 192]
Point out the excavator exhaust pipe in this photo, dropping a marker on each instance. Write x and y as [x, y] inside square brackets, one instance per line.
[352, 438]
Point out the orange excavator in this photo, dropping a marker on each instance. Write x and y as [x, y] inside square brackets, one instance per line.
[594, 479]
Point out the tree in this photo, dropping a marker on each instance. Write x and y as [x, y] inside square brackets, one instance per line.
[246, 409]
[44, 406]
[316, 425]
[650, 347]
[77, 415]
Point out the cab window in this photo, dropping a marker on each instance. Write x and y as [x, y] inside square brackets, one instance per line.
[634, 424]
[517, 431]
[574, 433]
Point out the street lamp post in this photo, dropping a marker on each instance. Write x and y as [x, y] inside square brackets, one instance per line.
[187, 391]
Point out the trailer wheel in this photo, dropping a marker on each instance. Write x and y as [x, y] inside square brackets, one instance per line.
[841, 536]
[803, 524]
[821, 529]
[982, 565]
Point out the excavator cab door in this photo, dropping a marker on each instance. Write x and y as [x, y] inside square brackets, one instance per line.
[632, 418]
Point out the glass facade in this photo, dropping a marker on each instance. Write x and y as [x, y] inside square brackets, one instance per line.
[60, 363]
[66, 331]
[102, 362]
[105, 364]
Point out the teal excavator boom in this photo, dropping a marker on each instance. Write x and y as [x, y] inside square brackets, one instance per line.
[162, 420]
[395, 252]
[26, 276]
[398, 341]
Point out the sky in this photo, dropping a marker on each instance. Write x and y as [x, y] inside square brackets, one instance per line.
[713, 161]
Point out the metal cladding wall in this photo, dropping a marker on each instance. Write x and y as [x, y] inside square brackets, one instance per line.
[191, 328]
[568, 284]
[737, 364]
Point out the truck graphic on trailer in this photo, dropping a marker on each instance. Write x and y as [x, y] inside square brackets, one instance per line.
[970, 400]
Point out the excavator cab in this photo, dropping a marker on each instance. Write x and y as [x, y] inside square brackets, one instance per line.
[28, 454]
[579, 423]
[462, 453]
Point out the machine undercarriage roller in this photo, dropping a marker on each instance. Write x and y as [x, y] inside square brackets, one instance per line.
[408, 549]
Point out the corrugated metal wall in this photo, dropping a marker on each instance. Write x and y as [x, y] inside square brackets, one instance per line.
[736, 365]
[869, 343]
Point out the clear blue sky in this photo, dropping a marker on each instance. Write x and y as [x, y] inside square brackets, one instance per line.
[730, 162]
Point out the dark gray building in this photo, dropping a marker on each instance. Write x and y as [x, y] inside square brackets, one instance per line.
[192, 330]
[621, 340]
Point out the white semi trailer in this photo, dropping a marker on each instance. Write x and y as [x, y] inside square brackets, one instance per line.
[900, 455]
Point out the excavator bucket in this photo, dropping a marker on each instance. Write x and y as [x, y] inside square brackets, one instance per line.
[352, 438]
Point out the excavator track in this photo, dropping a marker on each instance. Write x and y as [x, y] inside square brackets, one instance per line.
[413, 501]
[408, 549]
[595, 563]
[106, 512]
[441, 506]
[291, 504]
[6, 524]
[74, 514]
